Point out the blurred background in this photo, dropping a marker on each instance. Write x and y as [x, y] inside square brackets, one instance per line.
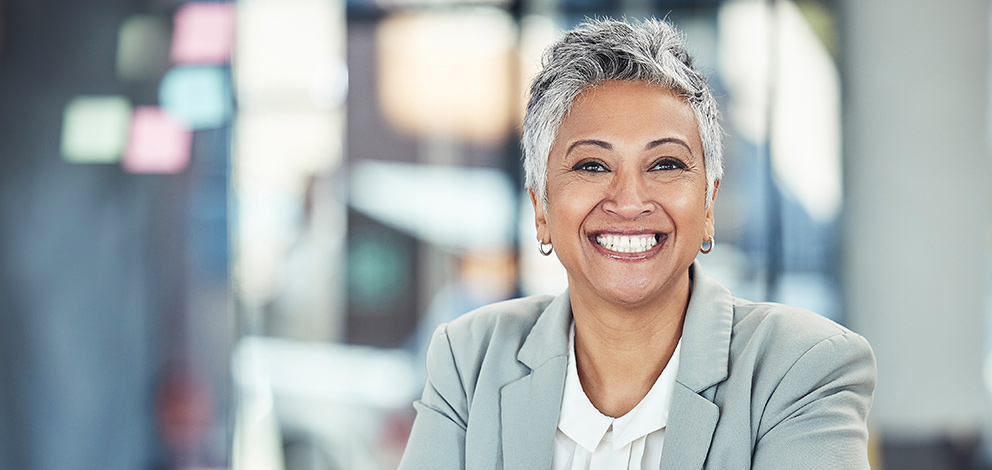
[227, 230]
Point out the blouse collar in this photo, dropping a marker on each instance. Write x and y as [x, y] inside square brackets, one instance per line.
[584, 424]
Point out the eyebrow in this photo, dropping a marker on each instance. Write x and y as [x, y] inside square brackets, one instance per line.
[594, 142]
[607, 146]
[667, 140]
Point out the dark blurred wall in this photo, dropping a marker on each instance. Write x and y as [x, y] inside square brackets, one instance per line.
[84, 284]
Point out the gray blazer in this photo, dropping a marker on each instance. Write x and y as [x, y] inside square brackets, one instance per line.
[759, 385]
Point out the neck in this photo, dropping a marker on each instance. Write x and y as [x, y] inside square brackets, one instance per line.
[621, 350]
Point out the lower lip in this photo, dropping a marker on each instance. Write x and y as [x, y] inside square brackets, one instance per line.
[630, 256]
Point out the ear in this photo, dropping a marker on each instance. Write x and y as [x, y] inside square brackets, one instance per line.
[710, 229]
[540, 218]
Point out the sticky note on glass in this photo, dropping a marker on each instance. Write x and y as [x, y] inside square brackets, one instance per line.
[158, 143]
[203, 33]
[94, 129]
[143, 48]
[199, 95]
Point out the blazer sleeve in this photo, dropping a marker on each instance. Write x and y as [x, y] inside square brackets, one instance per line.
[437, 440]
[817, 416]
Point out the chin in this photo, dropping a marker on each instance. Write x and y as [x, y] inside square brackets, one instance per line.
[629, 296]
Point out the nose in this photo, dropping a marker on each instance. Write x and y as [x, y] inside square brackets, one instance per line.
[628, 197]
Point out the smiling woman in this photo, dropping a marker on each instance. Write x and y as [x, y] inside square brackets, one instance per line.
[644, 362]
[626, 167]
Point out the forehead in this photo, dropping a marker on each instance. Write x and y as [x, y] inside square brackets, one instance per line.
[629, 109]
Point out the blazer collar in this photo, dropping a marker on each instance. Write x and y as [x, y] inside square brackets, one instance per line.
[709, 319]
[529, 406]
[549, 336]
[704, 363]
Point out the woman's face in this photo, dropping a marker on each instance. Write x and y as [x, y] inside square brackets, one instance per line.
[626, 193]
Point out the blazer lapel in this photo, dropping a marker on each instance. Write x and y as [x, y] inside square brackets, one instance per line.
[704, 363]
[689, 431]
[529, 406]
[530, 409]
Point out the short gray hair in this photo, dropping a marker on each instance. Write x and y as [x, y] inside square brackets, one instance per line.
[599, 50]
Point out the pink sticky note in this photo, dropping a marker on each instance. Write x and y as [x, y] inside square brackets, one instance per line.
[158, 143]
[203, 33]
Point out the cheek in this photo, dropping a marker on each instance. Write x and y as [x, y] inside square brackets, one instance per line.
[568, 211]
[685, 205]
[682, 196]
[567, 215]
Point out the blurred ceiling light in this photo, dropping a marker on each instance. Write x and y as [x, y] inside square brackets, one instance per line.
[290, 53]
[200, 96]
[454, 207]
[159, 143]
[94, 129]
[276, 152]
[143, 48]
[448, 73]
[203, 33]
[806, 137]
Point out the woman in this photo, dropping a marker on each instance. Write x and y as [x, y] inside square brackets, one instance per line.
[644, 362]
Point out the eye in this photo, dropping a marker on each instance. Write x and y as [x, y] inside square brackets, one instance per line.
[668, 164]
[591, 166]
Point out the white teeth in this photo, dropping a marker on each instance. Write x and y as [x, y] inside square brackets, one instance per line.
[627, 244]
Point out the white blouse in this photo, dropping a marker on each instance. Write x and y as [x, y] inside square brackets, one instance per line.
[589, 440]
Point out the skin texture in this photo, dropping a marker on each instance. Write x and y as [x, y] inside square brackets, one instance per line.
[627, 160]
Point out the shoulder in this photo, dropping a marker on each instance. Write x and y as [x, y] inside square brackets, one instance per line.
[797, 391]
[782, 354]
[491, 335]
[808, 382]
[783, 350]
[499, 321]
[786, 330]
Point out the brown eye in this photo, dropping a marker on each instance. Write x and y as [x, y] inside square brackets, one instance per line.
[667, 164]
[590, 166]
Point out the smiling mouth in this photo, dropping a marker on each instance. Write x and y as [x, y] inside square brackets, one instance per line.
[627, 243]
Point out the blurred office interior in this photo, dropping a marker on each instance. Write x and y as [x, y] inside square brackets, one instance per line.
[227, 229]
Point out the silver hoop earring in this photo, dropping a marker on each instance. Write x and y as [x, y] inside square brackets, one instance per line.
[707, 246]
[541, 245]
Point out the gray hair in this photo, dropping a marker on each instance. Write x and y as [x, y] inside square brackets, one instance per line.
[599, 50]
